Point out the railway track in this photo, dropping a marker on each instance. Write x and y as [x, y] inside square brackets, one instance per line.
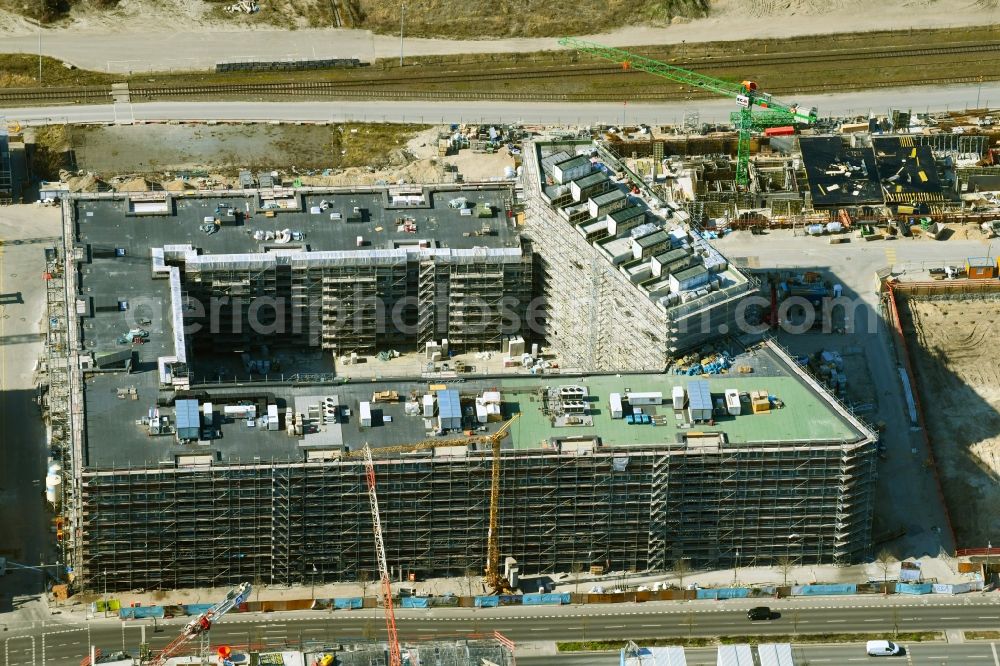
[387, 87]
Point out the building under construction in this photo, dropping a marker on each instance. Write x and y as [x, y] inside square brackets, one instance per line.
[628, 286]
[178, 475]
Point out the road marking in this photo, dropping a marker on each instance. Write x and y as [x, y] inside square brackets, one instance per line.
[615, 626]
[951, 618]
[834, 621]
[989, 617]
[538, 629]
[993, 646]
[873, 619]
[652, 626]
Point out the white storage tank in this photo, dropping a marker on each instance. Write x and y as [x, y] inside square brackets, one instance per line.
[365, 412]
[615, 403]
[678, 397]
[733, 405]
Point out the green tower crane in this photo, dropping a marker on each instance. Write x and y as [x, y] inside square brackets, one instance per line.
[745, 93]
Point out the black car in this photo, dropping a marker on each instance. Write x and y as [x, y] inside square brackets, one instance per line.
[759, 613]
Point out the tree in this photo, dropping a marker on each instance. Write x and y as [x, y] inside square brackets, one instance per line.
[681, 568]
[785, 564]
[884, 560]
[577, 568]
[689, 623]
[364, 577]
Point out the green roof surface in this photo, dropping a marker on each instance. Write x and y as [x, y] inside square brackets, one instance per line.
[805, 416]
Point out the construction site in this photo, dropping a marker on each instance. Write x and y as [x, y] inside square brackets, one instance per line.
[212, 437]
[946, 326]
[546, 373]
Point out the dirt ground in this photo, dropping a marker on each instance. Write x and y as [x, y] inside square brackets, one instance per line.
[159, 148]
[507, 26]
[956, 363]
[334, 155]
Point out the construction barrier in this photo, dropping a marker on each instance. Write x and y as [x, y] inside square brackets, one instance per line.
[957, 588]
[414, 602]
[914, 588]
[141, 612]
[348, 603]
[545, 599]
[487, 602]
[823, 590]
[105, 605]
[196, 609]
[724, 593]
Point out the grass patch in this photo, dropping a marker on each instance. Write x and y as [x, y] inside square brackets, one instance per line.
[982, 635]
[694, 642]
[20, 70]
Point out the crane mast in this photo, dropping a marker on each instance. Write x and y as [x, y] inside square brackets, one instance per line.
[395, 656]
[745, 93]
[493, 577]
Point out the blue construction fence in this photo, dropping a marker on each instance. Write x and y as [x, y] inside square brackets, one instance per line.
[141, 612]
[551, 599]
[344, 603]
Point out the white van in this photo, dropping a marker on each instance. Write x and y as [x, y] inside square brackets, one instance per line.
[883, 649]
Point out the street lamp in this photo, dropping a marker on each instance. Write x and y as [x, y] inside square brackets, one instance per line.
[402, 13]
[313, 592]
[989, 546]
[736, 566]
[104, 577]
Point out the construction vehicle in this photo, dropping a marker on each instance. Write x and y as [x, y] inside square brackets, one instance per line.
[746, 93]
[202, 624]
[395, 655]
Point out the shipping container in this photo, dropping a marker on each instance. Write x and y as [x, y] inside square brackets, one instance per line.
[272, 417]
[615, 403]
[779, 131]
[365, 413]
[733, 405]
[648, 398]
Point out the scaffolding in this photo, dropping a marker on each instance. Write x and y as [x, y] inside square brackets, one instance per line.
[300, 523]
[6, 175]
[597, 319]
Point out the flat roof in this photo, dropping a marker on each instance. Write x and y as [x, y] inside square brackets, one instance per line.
[113, 439]
[590, 179]
[608, 197]
[627, 213]
[573, 162]
[690, 272]
[105, 225]
[652, 239]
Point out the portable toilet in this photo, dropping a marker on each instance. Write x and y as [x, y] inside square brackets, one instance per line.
[678, 397]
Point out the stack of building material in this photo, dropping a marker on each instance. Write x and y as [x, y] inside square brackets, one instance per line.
[759, 402]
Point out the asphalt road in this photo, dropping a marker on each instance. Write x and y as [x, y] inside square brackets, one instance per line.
[66, 643]
[846, 104]
[916, 653]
